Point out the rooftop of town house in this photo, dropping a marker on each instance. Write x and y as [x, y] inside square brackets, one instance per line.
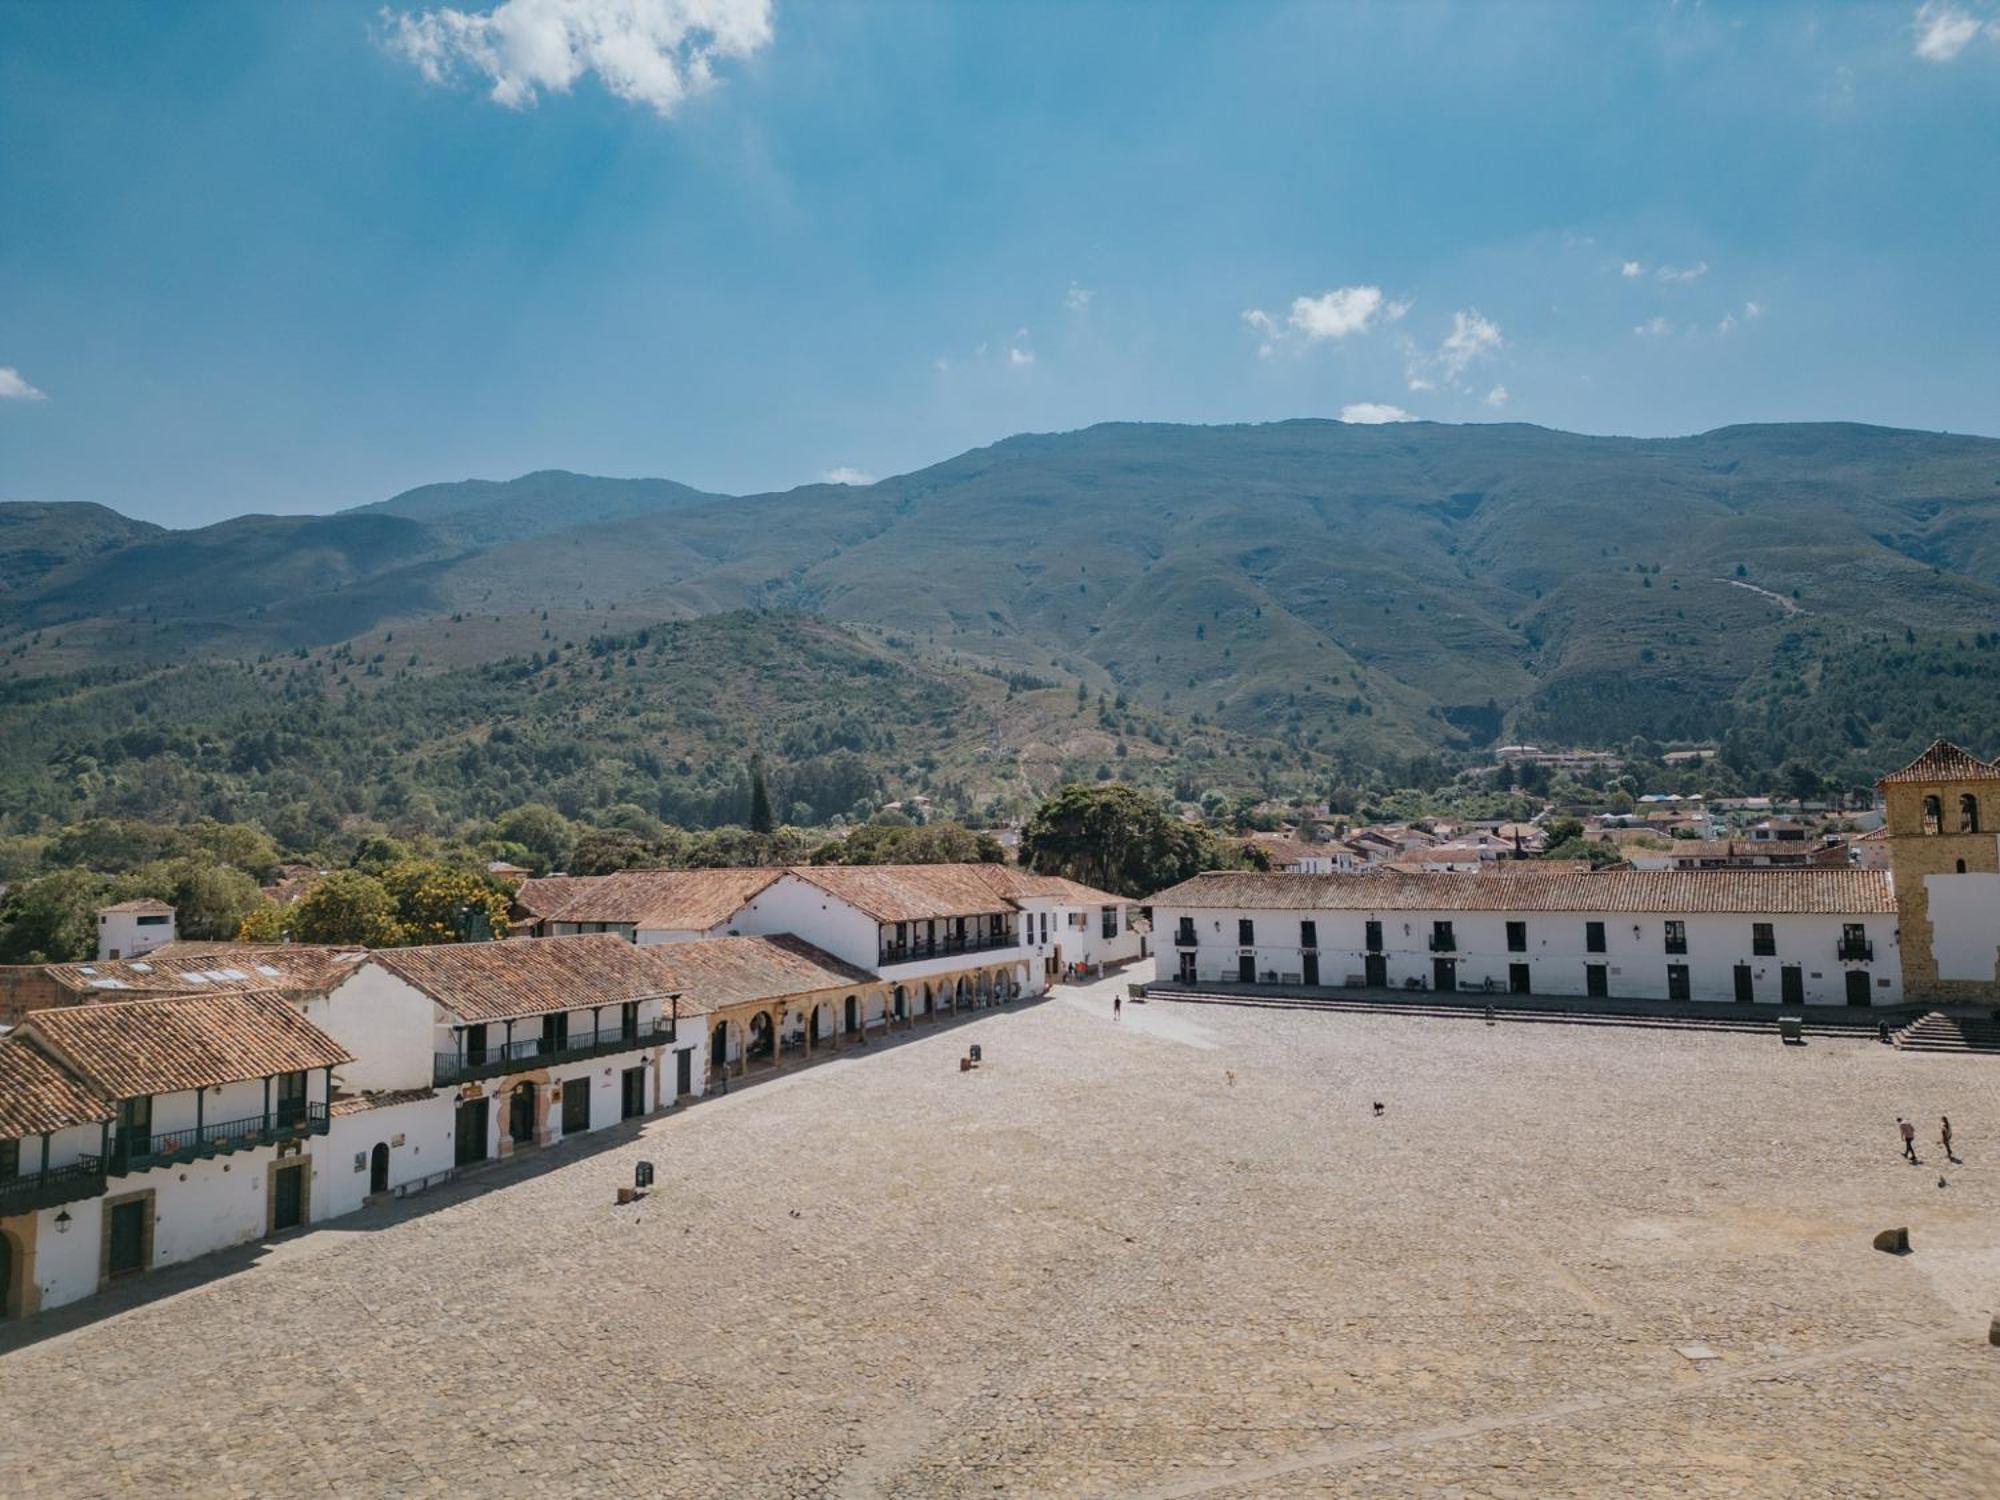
[206, 968]
[166, 1043]
[909, 893]
[355, 1104]
[39, 1095]
[145, 906]
[734, 970]
[480, 982]
[661, 900]
[1015, 883]
[542, 894]
[1944, 761]
[1763, 892]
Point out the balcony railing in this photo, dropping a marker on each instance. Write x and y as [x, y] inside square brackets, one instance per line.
[909, 952]
[1184, 937]
[82, 1178]
[1857, 950]
[512, 1057]
[136, 1153]
[1443, 942]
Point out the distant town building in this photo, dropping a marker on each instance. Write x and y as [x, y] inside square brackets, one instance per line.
[133, 928]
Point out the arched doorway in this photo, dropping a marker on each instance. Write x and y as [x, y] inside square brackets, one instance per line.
[819, 1027]
[963, 1000]
[718, 1046]
[902, 1003]
[521, 1114]
[930, 1002]
[378, 1168]
[763, 1043]
[853, 1017]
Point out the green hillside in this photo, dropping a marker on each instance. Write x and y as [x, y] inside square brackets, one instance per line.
[1281, 594]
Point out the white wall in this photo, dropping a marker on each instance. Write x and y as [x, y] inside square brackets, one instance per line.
[66, 1263]
[417, 1133]
[387, 1023]
[792, 905]
[122, 933]
[1556, 957]
[1965, 925]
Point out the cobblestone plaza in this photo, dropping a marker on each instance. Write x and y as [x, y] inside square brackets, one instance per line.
[1173, 1254]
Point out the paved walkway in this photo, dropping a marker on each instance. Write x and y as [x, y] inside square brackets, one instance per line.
[1172, 1254]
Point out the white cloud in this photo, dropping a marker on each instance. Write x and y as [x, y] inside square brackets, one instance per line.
[1344, 311]
[1077, 298]
[1260, 320]
[1631, 268]
[1019, 356]
[1727, 324]
[1753, 310]
[1653, 328]
[1497, 397]
[653, 52]
[1471, 338]
[1944, 30]
[845, 474]
[1371, 412]
[13, 387]
[1419, 384]
[1683, 273]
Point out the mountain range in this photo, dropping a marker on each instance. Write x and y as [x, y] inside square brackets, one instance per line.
[1280, 593]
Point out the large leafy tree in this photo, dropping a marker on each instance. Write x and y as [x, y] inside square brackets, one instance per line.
[53, 919]
[436, 903]
[345, 907]
[931, 844]
[1120, 840]
[210, 900]
[545, 833]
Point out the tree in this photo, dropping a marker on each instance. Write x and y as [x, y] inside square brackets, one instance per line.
[545, 833]
[1119, 840]
[1802, 782]
[932, 844]
[345, 907]
[436, 903]
[210, 900]
[761, 820]
[605, 851]
[52, 920]
[269, 923]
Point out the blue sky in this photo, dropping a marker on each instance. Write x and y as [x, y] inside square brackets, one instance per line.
[295, 257]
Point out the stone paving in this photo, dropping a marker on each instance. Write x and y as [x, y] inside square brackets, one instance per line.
[1563, 1262]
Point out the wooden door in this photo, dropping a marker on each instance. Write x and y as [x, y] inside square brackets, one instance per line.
[1444, 975]
[470, 1133]
[1310, 964]
[1377, 967]
[1596, 981]
[1518, 982]
[1857, 989]
[378, 1168]
[1677, 981]
[1246, 968]
[128, 1237]
[576, 1106]
[1746, 986]
[288, 1199]
[1792, 985]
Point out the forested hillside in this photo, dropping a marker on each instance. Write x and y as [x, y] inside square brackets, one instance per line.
[1255, 607]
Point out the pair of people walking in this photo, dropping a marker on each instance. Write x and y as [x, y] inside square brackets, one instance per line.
[1909, 1134]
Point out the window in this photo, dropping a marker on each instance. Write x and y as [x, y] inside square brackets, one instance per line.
[1517, 937]
[1677, 937]
[1185, 935]
[1854, 944]
[1933, 814]
[1593, 937]
[1442, 940]
[1110, 916]
[1308, 934]
[1246, 932]
[1373, 937]
[1763, 941]
[1968, 813]
[1078, 920]
[291, 1097]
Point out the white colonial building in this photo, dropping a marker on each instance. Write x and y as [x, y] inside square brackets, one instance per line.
[1776, 936]
[132, 929]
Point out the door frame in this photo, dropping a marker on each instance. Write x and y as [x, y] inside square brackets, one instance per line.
[301, 1169]
[1862, 993]
[109, 1209]
[1791, 977]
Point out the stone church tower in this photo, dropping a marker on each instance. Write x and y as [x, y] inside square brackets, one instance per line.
[1944, 852]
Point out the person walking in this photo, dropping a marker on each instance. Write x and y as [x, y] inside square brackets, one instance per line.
[1944, 1137]
[1118, 1006]
[1909, 1137]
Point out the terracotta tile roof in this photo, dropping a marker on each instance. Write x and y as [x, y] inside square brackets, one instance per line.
[144, 906]
[1944, 761]
[1015, 883]
[37, 1094]
[174, 1042]
[908, 893]
[730, 971]
[675, 900]
[543, 894]
[1760, 891]
[355, 1104]
[212, 968]
[529, 976]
